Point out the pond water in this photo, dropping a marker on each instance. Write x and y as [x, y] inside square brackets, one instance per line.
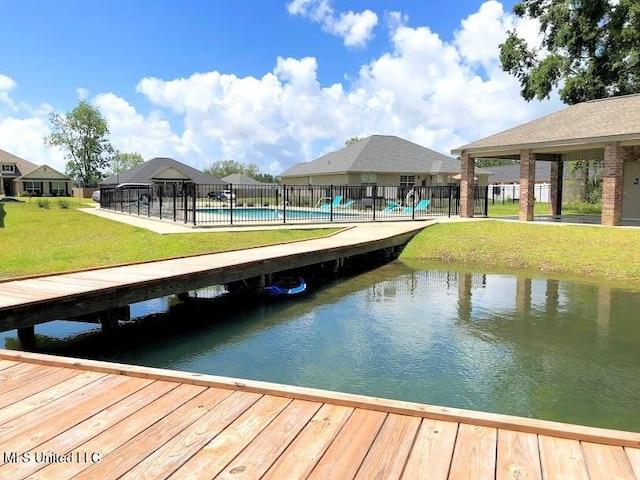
[537, 348]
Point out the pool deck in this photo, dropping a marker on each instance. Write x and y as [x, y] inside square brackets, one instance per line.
[69, 418]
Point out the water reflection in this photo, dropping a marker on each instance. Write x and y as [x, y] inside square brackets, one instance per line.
[532, 347]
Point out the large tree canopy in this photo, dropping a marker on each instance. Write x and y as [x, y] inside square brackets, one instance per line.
[590, 48]
[223, 168]
[122, 161]
[84, 136]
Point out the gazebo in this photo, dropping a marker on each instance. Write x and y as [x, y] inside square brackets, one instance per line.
[607, 130]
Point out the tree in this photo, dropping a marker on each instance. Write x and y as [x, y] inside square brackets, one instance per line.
[351, 141]
[222, 168]
[267, 178]
[590, 48]
[124, 161]
[494, 162]
[84, 135]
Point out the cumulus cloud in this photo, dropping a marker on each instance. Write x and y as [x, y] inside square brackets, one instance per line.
[436, 93]
[355, 28]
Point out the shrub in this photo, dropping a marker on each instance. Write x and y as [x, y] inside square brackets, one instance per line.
[63, 203]
[43, 203]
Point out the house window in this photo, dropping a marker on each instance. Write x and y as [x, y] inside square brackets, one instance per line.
[407, 180]
[34, 188]
[368, 179]
[59, 189]
[8, 168]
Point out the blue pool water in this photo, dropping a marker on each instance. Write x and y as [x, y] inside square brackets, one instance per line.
[268, 214]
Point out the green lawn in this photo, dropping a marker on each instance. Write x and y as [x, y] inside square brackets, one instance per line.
[511, 209]
[37, 240]
[580, 252]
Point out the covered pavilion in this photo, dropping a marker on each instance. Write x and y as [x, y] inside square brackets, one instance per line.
[606, 130]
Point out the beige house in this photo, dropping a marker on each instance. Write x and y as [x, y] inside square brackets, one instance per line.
[382, 160]
[607, 130]
[19, 176]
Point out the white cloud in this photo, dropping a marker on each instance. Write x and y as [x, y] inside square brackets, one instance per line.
[356, 29]
[436, 93]
[82, 93]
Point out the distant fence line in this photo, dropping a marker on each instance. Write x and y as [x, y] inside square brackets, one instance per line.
[511, 193]
[228, 204]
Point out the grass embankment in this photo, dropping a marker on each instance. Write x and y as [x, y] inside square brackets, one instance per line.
[37, 240]
[588, 253]
[511, 209]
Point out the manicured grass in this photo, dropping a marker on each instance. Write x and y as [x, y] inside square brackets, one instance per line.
[585, 252]
[511, 209]
[37, 240]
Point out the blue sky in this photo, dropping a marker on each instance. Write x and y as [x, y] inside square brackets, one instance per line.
[266, 82]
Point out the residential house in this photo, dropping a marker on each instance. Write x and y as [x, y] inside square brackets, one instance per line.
[21, 177]
[382, 160]
[168, 172]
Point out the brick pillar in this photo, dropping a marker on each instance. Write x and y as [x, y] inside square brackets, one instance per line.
[557, 175]
[527, 181]
[612, 184]
[467, 171]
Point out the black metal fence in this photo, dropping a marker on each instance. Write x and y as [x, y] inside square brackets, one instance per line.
[262, 204]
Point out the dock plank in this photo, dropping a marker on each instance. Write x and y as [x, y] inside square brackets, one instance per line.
[36, 394]
[136, 449]
[217, 454]
[113, 438]
[474, 455]
[150, 423]
[260, 454]
[561, 458]
[177, 451]
[390, 450]
[606, 462]
[65, 412]
[345, 455]
[633, 454]
[69, 440]
[431, 455]
[301, 456]
[518, 456]
[21, 374]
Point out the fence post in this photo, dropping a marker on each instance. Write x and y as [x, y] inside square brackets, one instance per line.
[331, 204]
[231, 203]
[284, 204]
[374, 194]
[486, 201]
[195, 199]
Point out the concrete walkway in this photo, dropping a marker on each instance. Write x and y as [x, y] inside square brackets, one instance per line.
[169, 226]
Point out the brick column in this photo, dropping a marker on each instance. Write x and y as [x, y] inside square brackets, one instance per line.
[557, 175]
[527, 181]
[467, 172]
[612, 184]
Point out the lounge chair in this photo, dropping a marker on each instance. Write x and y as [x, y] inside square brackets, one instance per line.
[334, 204]
[392, 207]
[421, 206]
[346, 204]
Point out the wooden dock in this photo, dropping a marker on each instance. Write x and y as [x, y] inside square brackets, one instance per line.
[66, 418]
[29, 301]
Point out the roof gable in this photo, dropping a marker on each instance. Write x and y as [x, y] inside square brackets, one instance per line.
[610, 119]
[163, 169]
[22, 166]
[378, 154]
[44, 172]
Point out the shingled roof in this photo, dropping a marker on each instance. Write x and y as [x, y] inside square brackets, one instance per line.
[598, 121]
[153, 169]
[378, 154]
[22, 166]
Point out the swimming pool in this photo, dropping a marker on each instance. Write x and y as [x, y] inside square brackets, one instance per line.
[269, 214]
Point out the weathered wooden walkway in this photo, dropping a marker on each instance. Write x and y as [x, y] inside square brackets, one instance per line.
[65, 418]
[27, 302]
